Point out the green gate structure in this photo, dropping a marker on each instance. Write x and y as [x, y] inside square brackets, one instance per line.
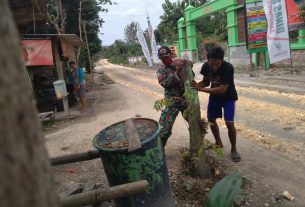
[237, 52]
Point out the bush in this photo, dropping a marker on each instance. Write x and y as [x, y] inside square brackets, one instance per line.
[119, 59]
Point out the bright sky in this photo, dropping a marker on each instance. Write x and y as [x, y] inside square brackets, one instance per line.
[126, 11]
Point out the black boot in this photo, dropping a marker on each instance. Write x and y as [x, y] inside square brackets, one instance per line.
[164, 141]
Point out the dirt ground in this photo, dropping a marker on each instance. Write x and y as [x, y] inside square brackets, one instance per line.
[271, 128]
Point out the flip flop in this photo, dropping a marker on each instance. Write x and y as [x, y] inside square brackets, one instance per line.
[235, 157]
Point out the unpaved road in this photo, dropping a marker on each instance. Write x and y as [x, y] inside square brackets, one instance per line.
[271, 131]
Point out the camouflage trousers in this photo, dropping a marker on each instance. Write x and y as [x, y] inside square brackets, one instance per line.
[167, 120]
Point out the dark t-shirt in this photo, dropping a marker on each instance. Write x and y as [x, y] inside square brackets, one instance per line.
[224, 76]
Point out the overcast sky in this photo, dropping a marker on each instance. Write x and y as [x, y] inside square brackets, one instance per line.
[126, 11]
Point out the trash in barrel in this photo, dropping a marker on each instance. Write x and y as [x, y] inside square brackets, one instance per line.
[131, 151]
[60, 88]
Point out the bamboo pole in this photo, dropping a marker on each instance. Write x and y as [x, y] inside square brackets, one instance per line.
[85, 156]
[99, 195]
[88, 50]
[80, 27]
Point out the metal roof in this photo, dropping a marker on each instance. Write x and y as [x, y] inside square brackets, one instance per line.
[72, 38]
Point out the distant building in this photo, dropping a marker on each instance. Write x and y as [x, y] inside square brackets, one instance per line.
[46, 56]
[135, 60]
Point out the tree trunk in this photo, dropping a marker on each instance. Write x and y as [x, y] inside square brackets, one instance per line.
[63, 17]
[59, 22]
[25, 174]
[192, 113]
[198, 165]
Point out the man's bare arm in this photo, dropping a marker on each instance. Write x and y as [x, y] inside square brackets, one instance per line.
[206, 81]
[202, 84]
[218, 90]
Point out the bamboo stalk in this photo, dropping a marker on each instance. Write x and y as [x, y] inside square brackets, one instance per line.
[99, 195]
[85, 156]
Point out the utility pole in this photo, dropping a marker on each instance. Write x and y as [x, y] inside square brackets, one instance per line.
[80, 27]
[88, 49]
[34, 18]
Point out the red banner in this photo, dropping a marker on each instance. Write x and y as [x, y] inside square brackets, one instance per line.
[293, 9]
[257, 36]
[37, 52]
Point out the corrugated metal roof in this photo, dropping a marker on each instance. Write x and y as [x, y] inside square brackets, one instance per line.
[72, 38]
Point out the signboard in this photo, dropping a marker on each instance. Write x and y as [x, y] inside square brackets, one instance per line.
[278, 33]
[295, 23]
[256, 24]
[37, 52]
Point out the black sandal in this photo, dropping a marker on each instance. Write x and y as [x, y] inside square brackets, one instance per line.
[235, 157]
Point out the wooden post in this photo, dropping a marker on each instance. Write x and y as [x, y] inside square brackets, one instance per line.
[80, 27]
[60, 72]
[98, 196]
[62, 17]
[134, 142]
[88, 50]
[85, 156]
[34, 18]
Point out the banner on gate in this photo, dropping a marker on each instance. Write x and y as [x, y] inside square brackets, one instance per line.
[278, 33]
[293, 10]
[143, 43]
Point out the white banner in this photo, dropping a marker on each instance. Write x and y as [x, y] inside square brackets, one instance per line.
[278, 33]
[153, 43]
[154, 47]
[143, 43]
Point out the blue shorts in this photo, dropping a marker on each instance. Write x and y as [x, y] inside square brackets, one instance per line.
[215, 109]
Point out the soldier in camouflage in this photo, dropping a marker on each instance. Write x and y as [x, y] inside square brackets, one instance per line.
[170, 78]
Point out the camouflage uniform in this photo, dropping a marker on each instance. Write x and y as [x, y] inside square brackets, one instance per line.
[174, 88]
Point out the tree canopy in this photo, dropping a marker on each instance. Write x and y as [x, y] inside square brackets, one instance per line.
[65, 17]
[167, 31]
[120, 50]
[130, 32]
[173, 11]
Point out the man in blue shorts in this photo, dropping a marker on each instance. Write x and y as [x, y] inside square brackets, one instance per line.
[219, 74]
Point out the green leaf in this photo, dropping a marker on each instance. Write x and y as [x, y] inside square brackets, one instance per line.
[162, 103]
[224, 192]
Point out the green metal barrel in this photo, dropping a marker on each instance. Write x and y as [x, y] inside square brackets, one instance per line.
[146, 163]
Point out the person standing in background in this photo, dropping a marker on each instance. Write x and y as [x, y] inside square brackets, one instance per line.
[70, 87]
[79, 84]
